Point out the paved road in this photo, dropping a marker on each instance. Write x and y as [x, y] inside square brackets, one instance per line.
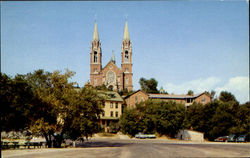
[102, 148]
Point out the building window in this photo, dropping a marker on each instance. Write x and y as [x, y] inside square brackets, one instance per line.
[126, 56]
[126, 81]
[95, 57]
[103, 122]
[103, 113]
[95, 81]
[111, 114]
[116, 105]
[142, 99]
[116, 114]
[111, 104]
[203, 99]
[126, 69]
[136, 98]
[95, 70]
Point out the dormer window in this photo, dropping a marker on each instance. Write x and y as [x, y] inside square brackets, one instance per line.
[95, 57]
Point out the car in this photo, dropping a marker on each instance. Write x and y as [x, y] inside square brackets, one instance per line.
[241, 138]
[144, 136]
[221, 139]
[232, 138]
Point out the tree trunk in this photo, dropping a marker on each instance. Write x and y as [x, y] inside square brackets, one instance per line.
[48, 140]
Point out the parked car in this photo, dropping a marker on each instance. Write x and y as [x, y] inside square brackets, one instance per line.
[221, 139]
[241, 138]
[232, 138]
[144, 136]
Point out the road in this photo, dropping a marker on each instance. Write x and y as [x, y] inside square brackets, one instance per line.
[134, 148]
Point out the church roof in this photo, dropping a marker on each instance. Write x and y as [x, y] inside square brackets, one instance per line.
[126, 34]
[95, 34]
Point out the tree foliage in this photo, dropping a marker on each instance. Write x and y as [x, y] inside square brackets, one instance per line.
[153, 116]
[219, 117]
[149, 86]
[16, 101]
[190, 92]
[226, 96]
[49, 105]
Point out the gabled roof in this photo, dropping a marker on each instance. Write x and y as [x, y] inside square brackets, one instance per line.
[111, 95]
[110, 62]
[134, 93]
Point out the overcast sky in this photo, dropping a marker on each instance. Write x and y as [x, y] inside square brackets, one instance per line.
[197, 45]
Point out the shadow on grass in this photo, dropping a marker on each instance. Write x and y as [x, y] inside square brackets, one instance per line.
[91, 144]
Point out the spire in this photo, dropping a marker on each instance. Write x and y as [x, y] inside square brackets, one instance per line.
[126, 34]
[95, 35]
[113, 56]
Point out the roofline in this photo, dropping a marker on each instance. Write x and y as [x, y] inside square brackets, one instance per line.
[176, 97]
[134, 93]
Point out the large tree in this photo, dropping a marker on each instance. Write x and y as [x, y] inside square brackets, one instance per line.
[62, 109]
[149, 86]
[153, 116]
[16, 103]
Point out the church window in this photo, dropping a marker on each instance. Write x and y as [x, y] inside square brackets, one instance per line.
[126, 69]
[95, 57]
[126, 56]
[126, 81]
[110, 77]
[95, 81]
[95, 69]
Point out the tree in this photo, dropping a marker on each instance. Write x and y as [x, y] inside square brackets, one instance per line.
[153, 116]
[190, 92]
[149, 86]
[16, 103]
[242, 120]
[63, 110]
[226, 96]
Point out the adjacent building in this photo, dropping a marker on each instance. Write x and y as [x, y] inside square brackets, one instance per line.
[112, 109]
[187, 100]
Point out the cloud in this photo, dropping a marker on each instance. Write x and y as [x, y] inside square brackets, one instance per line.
[238, 86]
[198, 85]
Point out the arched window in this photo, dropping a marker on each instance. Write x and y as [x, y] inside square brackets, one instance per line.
[95, 57]
[126, 56]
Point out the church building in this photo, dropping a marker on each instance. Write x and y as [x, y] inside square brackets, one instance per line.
[113, 77]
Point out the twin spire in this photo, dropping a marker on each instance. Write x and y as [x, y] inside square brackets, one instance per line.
[95, 35]
[125, 34]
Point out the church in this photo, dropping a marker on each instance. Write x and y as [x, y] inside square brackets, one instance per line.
[113, 77]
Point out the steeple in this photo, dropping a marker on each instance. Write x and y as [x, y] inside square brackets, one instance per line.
[126, 34]
[95, 35]
[113, 56]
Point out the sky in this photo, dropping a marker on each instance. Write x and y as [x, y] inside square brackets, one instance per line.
[184, 45]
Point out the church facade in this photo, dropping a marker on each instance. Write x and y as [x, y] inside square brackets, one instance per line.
[113, 77]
